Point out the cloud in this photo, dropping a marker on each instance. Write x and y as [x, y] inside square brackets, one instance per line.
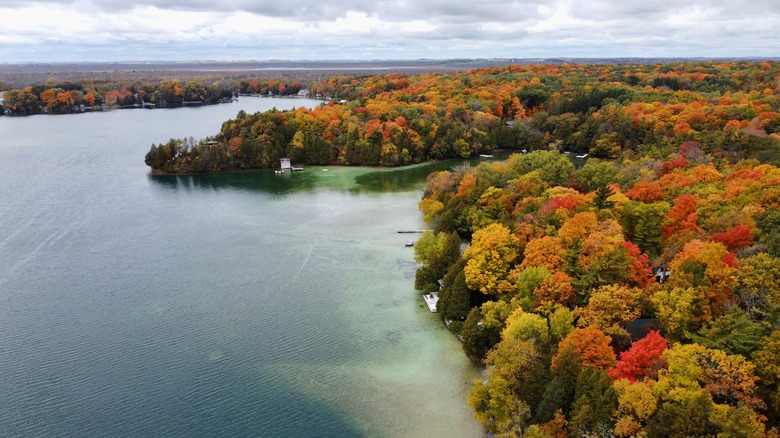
[92, 30]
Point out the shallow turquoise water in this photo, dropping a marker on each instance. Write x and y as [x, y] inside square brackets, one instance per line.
[245, 304]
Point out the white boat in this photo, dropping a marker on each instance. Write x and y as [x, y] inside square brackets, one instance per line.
[430, 300]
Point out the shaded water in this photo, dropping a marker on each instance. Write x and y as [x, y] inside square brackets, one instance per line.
[244, 304]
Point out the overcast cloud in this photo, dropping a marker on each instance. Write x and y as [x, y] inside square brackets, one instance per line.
[122, 30]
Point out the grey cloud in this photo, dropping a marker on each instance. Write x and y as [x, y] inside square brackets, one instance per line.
[461, 29]
[450, 11]
[644, 10]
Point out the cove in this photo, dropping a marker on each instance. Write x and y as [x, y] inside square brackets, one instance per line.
[239, 304]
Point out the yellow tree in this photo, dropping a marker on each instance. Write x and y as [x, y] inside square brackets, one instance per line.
[489, 259]
[577, 228]
[680, 310]
[611, 308]
[512, 367]
[719, 388]
[636, 404]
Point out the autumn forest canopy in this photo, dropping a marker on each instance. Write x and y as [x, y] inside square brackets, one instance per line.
[637, 295]
[556, 293]
[730, 109]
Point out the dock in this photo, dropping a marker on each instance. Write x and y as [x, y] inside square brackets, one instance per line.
[412, 231]
[431, 300]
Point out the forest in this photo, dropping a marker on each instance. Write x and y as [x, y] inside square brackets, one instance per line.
[731, 109]
[637, 294]
[630, 297]
[78, 95]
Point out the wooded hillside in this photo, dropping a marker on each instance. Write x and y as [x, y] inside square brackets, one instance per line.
[731, 110]
[556, 292]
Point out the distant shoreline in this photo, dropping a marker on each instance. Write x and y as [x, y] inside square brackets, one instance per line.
[105, 108]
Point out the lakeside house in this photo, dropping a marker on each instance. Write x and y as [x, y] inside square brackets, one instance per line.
[661, 274]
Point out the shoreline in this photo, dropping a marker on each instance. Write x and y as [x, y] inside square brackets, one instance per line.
[123, 107]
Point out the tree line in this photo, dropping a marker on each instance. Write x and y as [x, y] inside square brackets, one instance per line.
[731, 109]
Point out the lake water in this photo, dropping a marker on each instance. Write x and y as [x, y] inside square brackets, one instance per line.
[245, 304]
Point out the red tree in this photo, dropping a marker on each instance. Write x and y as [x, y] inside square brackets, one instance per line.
[647, 192]
[643, 359]
[641, 272]
[735, 238]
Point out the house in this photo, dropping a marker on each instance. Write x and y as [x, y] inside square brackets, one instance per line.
[661, 274]
[285, 164]
[303, 93]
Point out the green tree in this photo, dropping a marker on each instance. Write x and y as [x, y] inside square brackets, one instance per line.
[454, 296]
[678, 310]
[769, 222]
[559, 391]
[733, 333]
[595, 404]
[596, 174]
[553, 399]
[478, 338]
[607, 146]
[690, 418]
[527, 282]
[435, 253]
[642, 224]
[601, 200]
[554, 168]
[528, 327]
[767, 362]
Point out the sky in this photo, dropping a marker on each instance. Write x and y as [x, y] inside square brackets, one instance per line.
[224, 30]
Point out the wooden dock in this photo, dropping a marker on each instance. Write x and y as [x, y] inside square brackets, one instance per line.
[412, 231]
